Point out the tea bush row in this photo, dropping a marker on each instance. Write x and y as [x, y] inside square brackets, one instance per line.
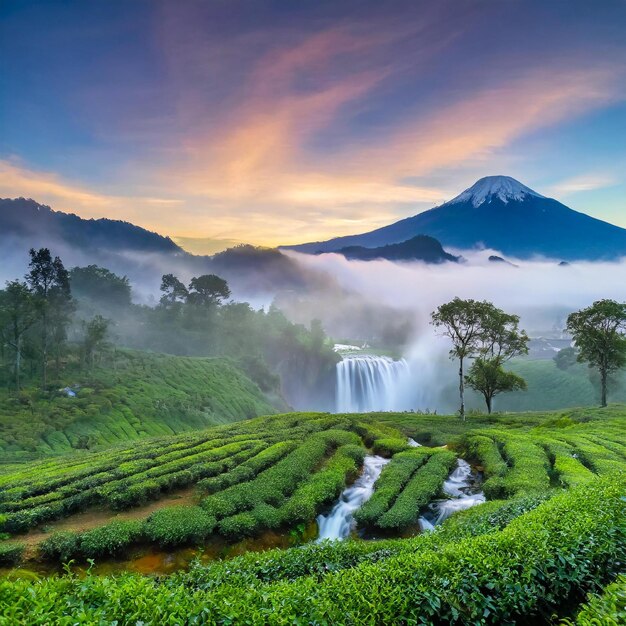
[393, 478]
[564, 546]
[421, 489]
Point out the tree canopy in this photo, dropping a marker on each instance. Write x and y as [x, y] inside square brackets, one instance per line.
[599, 335]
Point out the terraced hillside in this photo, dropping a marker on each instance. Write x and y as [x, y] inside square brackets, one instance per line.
[549, 533]
[140, 395]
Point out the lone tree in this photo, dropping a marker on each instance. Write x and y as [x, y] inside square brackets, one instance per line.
[489, 378]
[462, 322]
[208, 290]
[501, 340]
[598, 333]
[480, 330]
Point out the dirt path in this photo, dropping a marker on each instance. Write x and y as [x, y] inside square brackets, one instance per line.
[95, 517]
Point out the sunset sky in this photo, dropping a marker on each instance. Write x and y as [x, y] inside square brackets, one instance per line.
[289, 121]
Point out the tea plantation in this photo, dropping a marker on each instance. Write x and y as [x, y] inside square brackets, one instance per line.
[140, 395]
[551, 532]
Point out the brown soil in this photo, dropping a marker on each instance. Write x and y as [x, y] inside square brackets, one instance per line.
[99, 516]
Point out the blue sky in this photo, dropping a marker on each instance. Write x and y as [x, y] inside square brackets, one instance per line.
[281, 122]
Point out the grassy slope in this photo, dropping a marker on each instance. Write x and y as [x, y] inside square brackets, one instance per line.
[144, 395]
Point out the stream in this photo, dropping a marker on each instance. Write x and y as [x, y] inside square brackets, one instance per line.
[338, 524]
[459, 487]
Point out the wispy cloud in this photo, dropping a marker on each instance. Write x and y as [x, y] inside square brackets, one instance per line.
[296, 130]
[584, 182]
[17, 180]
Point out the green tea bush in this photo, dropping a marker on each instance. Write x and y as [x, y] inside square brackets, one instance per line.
[389, 447]
[568, 469]
[394, 476]
[608, 609]
[249, 468]
[10, 553]
[484, 451]
[421, 489]
[522, 573]
[529, 466]
[273, 485]
[179, 525]
[111, 539]
[60, 546]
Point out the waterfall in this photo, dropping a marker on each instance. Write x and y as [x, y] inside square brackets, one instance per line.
[338, 523]
[372, 383]
[458, 487]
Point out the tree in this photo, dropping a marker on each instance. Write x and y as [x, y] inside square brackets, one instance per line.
[565, 358]
[96, 331]
[500, 341]
[17, 315]
[208, 290]
[49, 282]
[487, 376]
[598, 333]
[480, 329]
[174, 291]
[101, 286]
[461, 321]
[500, 337]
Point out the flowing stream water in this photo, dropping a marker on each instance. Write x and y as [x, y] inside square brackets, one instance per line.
[372, 383]
[458, 486]
[339, 522]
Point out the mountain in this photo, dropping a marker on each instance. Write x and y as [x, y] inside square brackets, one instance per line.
[25, 218]
[420, 248]
[501, 213]
[140, 254]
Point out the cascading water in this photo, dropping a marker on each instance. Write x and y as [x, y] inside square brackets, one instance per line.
[458, 487]
[339, 522]
[372, 383]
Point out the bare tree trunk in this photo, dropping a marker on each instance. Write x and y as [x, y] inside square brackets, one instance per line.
[488, 400]
[603, 376]
[461, 389]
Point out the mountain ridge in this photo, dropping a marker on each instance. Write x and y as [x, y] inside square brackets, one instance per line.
[521, 225]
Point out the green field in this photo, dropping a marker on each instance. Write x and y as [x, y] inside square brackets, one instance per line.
[549, 534]
[138, 395]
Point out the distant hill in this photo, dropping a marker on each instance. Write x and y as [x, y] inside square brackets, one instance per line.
[140, 254]
[140, 395]
[25, 218]
[501, 213]
[420, 248]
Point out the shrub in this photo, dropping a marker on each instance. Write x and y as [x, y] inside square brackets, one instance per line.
[562, 547]
[179, 525]
[111, 539]
[389, 447]
[485, 452]
[394, 476]
[60, 546]
[11, 553]
[421, 489]
[608, 609]
[238, 526]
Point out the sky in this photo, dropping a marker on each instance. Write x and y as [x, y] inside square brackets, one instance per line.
[280, 122]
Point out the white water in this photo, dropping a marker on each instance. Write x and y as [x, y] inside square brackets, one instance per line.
[339, 522]
[457, 486]
[372, 383]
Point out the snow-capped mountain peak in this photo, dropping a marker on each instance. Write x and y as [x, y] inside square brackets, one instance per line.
[503, 187]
